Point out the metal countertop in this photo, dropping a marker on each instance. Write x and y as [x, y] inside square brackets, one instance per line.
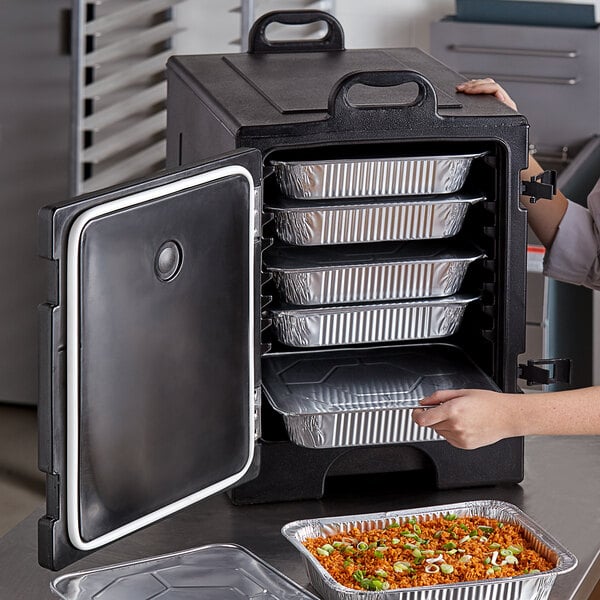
[561, 492]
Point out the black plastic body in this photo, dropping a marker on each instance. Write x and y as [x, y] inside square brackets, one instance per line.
[301, 105]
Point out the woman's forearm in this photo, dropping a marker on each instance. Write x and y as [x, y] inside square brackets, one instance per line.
[543, 216]
[573, 412]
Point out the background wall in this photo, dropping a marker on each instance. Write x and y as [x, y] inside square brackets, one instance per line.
[368, 24]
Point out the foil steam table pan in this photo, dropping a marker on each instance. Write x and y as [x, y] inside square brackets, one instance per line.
[218, 572]
[368, 177]
[352, 397]
[359, 221]
[370, 323]
[369, 272]
[536, 586]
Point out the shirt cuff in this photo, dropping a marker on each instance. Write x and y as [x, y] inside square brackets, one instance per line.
[574, 248]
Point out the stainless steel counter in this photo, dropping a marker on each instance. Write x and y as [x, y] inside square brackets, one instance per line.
[561, 492]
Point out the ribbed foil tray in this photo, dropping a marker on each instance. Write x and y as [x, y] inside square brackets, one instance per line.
[370, 323]
[360, 221]
[524, 587]
[218, 572]
[353, 397]
[360, 178]
[369, 272]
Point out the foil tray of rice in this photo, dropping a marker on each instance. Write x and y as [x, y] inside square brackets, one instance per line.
[479, 549]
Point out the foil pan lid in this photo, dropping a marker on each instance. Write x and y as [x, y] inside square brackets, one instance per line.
[214, 571]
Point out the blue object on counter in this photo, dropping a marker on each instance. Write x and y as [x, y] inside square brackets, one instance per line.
[517, 12]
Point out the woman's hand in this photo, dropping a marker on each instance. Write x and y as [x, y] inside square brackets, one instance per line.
[486, 86]
[470, 418]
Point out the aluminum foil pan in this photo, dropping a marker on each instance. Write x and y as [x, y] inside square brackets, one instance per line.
[217, 571]
[371, 323]
[369, 273]
[358, 221]
[347, 398]
[524, 587]
[361, 178]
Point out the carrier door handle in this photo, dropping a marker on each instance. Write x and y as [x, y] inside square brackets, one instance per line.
[514, 51]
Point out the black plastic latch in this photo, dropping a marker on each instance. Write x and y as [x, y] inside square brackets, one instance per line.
[559, 371]
[540, 186]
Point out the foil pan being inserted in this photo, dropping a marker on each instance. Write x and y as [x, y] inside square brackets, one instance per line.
[370, 323]
[352, 397]
[534, 586]
[359, 221]
[218, 572]
[369, 272]
[361, 178]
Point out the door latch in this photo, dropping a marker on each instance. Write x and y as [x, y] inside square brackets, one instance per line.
[559, 371]
[540, 186]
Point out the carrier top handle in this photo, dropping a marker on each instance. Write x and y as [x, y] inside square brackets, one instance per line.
[332, 41]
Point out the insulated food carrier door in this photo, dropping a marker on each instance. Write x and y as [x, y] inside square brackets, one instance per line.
[149, 345]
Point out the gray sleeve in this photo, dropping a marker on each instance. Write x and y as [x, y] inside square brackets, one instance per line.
[573, 256]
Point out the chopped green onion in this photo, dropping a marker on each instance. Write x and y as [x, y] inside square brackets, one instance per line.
[337, 545]
[496, 568]
[490, 571]
[417, 553]
[465, 558]
[362, 545]
[449, 546]
[494, 546]
[328, 547]
[322, 552]
[438, 534]
[408, 546]
[416, 528]
[392, 525]
[378, 554]
[401, 566]
[432, 569]
[446, 568]
[511, 559]
[381, 573]
[395, 540]
[358, 575]
[505, 552]
[486, 529]
[412, 520]
[465, 539]
[515, 549]
[348, 562]
[450, 517]
[487, 560]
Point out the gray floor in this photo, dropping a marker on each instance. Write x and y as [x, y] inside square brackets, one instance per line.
[21, 483]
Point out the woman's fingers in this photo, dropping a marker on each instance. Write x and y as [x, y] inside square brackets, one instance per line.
[486, 86]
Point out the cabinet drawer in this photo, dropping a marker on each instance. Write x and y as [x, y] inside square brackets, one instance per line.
[545, 69]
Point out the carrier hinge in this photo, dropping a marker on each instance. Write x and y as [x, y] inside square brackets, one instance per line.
[257, 212]
[559, 371]
[257, 413]
[540, 186]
